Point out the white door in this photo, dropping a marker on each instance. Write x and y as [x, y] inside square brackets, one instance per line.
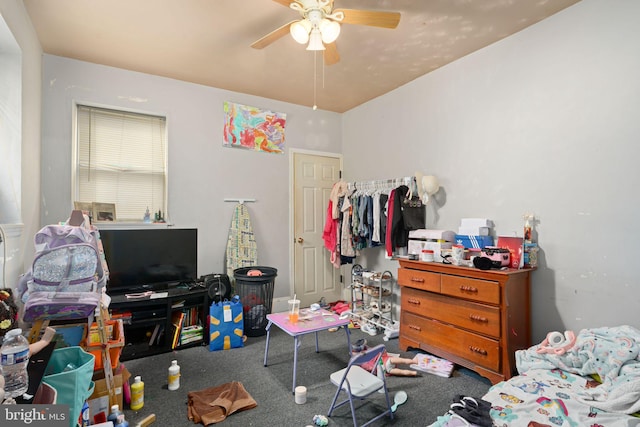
[314, 275]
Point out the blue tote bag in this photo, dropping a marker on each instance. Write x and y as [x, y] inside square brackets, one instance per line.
[226, 324]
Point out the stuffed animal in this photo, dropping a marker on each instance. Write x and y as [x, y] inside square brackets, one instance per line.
[8, 312]
[556, 343]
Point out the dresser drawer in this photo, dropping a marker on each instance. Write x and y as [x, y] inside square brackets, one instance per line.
[474, 348]
[465, 314]
[473, 289]
[419, 279]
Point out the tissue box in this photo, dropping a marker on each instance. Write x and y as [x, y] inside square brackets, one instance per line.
[470, 241]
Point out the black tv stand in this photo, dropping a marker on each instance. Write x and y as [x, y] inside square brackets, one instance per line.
[148, 321]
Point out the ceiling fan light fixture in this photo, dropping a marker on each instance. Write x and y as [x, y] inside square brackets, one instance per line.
[315, 40]
[300, 31]
[330, 30]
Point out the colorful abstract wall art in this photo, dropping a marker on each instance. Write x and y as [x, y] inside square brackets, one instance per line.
[253, 129]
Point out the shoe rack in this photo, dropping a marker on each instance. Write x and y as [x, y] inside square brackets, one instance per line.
[372, 301]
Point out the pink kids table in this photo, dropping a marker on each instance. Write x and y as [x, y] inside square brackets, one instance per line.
[310, 321]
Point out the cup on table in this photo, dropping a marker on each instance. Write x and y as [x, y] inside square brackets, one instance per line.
[294, 310]
[457, 253]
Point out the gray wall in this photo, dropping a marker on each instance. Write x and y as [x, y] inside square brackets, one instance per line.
[545, 121]
[202, 173]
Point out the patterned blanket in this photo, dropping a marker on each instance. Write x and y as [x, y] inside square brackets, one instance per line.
[547, 398]
[610, 353]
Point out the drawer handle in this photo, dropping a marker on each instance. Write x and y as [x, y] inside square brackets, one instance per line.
[478, 318]
[414, 327]
[417, 279]
[413, 301]
[469, 289]
[478, 350]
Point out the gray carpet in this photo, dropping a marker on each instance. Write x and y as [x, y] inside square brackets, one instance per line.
[429, 395]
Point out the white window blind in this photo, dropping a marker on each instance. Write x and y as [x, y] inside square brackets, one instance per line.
[121, 159]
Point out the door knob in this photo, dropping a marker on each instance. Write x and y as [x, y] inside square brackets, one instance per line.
[300, 240]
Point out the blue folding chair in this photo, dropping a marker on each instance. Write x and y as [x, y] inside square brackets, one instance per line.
[359, 383]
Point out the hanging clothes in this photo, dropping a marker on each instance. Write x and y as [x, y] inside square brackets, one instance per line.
[347, 251]
[362, 216]
[389, 246]
[384, 204]
[242, 250]
[399, 233]
[332, 221]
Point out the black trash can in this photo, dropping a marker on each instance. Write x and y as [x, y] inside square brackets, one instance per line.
[256, 295]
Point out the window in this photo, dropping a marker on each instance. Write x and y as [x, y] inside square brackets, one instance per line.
[121, 159]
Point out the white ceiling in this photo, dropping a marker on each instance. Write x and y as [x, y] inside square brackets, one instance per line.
[208, 42]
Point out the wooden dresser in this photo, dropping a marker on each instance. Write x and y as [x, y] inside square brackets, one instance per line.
[472, 317]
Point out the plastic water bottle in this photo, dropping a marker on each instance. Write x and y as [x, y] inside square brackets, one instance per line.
[137, 394]
[14, 358]
[174, 376]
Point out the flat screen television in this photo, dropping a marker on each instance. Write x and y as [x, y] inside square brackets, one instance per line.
[149, 259]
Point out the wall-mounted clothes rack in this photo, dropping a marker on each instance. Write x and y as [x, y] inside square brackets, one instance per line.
[380, 184]
[242, 201]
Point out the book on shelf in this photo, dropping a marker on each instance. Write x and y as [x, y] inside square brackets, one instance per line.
[433, 365]
[176, 320]
[191, 333]
[188, 340]
[160, 336]
[154, 334]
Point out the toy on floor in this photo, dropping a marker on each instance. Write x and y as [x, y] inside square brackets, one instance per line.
[389, 365]
[320, 420]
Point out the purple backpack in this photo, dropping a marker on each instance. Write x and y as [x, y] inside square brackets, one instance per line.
[66, 276]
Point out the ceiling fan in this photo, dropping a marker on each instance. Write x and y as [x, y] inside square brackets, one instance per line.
[320, 25]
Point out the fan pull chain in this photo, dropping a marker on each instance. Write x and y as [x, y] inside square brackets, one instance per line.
[323, 68]
[315, 79]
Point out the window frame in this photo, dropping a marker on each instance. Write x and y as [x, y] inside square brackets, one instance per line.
[75, 156]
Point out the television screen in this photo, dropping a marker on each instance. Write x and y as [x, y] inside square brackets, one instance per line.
[141, 259]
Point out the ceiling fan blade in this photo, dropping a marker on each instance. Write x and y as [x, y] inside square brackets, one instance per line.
[285, 3]
[331, 55]
[372, 18]
[272, 36]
